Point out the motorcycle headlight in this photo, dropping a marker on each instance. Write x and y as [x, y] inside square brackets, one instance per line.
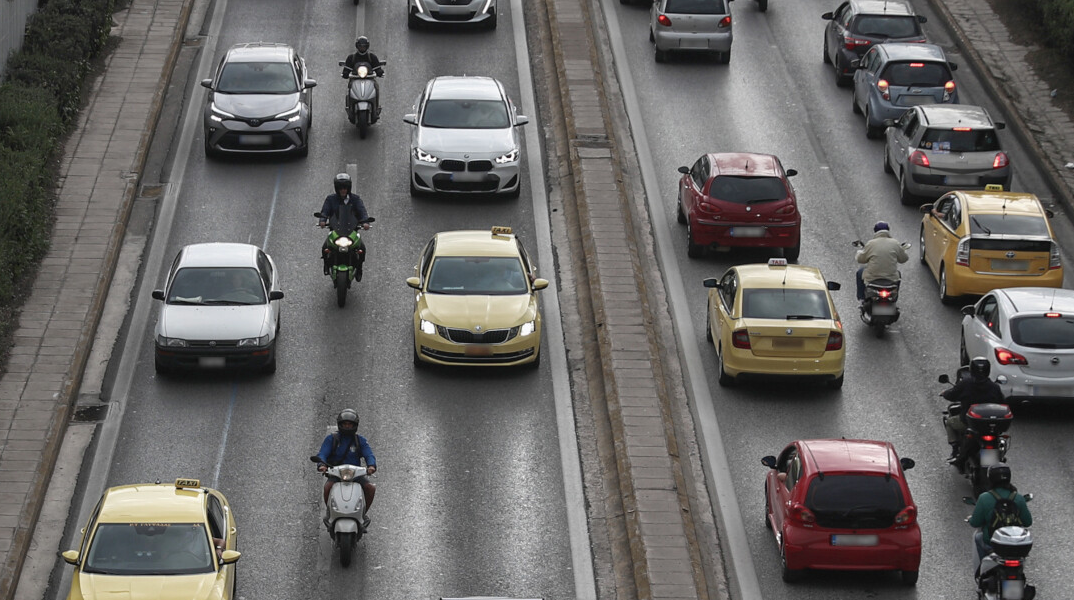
[527, 328]
[347, 474]
[510, 157]
[291, 115]
[424, 156]
[219, 115]
[427, 327]
[343, 242]
[171, 342]
[253, 342]
[363, 71]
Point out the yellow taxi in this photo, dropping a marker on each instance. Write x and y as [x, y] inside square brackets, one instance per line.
[476, 301]
[162, 541]
[978, 241]
[775, 320]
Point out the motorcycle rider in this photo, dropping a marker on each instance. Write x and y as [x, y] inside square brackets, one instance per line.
[346, 447]
[333, 206]
[1000, 478]
[363, 55]
[975, 389]
[881, 256]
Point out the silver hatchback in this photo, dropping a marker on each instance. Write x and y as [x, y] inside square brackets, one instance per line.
[691, 26]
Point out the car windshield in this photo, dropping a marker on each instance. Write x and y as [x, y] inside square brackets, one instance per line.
[149, 549]
[780, 303]
[257, 78]
[1008, 225]
[211, 285]
[466, 114]
[477, 276]
[916, 74]
[1040, 331]
[695, 7]
[855, 501]
[747, 190]
[887, 27]
[951, 140]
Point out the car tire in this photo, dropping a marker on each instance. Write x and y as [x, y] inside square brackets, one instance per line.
[963, 356]
[415, 192]
[270, 367]
[791, 253]
[209, 152]
[725, 57]
[492, 22]
[693, 250]
[304, 151]
[921, 246]
[909, 578]
[871, 132]
[515, 193]
[767, 508]
[789, 575]
[887, 161]
[652, 38]
[944, 297]
[725, 380]
[762, 5]
[659, 55]
[708, 322]
[835, 384]
[827, 58]
[854, 104]
[346, 547]
[906, 197]
[679, 215]
[840, 79]
[418, 364]
[536, 364]
[412, 21]
[161, 368]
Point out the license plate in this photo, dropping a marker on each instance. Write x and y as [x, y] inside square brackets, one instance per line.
[883, 310]
[854, 540]
[694, 43]
[989, 457]
[916, 100]
[478, 351]
[747, 232]
[212, 362]
[255, 140]
[960, 180]
[1013, 589]
[1051, 390]
[1003, 264]
[784, 343]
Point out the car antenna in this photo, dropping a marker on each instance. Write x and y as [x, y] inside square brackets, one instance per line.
[1051, 306]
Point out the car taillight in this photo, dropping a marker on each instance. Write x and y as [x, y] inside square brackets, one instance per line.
[1006, 357]
[803, 514]
[786, 210]
[706, 207]
[1000, 161]
[962, 252]
[948, 89]
[835, 341]
[852, 42]
[724, 22]
[919, 158]
[906, 516]
[741, 339]
[664, 20]
[882, 85]
[1012, 563]
[1053, 259]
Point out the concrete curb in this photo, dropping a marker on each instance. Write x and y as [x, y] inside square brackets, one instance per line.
[31, 510]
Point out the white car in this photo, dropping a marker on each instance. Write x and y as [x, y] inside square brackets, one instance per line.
[465, 139]
[1027, 334]
[221, 309]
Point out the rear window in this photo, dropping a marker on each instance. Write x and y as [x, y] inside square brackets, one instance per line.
[916, 74]
[747, 190]
[949, 140]
[1008, 225]
[887, 27]
[855, 501]
[1044, 332]
[695, 7]
[784, 304]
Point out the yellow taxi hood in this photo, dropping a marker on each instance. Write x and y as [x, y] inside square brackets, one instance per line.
[146, 587]
[467, 312]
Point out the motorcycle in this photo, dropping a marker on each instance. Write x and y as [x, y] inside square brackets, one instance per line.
[363, 95]
[344, 251]
[878, 309]
[345, 514]
[1001, 574]
[986, 434]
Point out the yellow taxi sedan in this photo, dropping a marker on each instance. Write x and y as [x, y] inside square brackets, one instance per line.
[978, 241]
[476, 301]
[775, 320]
[158, 541]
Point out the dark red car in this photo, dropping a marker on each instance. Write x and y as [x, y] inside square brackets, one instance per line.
[739, 199]
[842, 505]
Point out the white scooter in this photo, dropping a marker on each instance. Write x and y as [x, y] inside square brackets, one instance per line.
[345, 513]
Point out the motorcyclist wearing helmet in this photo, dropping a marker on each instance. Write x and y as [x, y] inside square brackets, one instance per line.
[881, 256]
[975, 389]
[363, 55]
[999, 476]
[346, 447]
[334, 204]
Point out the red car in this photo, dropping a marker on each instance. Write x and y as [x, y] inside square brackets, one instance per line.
[739, 199]
[842, 505]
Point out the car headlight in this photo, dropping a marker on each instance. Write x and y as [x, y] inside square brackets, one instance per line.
[291, 115]
[427, 327]
[171, 342]
[511, 156]
[254, 342]
[527, 328]
[343, 242]
[424, 156]
[218, 115]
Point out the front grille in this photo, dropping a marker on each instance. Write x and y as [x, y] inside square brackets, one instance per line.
[493, 336]
[443, 182]
[479, 165]
[440, 16]
[452, 2]
[278, 141]
[212, 344]
[449, 164]
[460, 358]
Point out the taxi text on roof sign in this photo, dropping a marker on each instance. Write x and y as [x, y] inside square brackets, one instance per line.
[501, 230]
[187, 483]
[994, 187]
[777, 262]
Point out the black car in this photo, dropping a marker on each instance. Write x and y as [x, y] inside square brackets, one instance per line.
[259, 101]
[859, 24]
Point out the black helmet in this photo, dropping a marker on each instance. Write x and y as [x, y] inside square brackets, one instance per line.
[979, 367]
[999, 476]
[347, 415]
[342, 181]
[362, 44]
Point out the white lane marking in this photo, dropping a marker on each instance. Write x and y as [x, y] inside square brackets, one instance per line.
[715, 462]
[272, 208]
[227, 429]
[585, 587]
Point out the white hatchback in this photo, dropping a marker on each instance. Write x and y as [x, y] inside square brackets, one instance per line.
[691, 26]
[1027, 334]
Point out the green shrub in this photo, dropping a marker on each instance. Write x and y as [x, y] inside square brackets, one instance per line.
[25, 216]
[61, 78]
[28, 120]
[1058, 19]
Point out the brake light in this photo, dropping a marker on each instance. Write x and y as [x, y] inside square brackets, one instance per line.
[664, 20]
[786, 210]
[741, 339]
[724, 22]
[1012, 563]
[1006, 357]
[712, 209]
[962, 252]
[1000, 160]
[906, 516]
[1053, 315]
[919, 158]
[988, 438]
[882, 85]
[917, 64]
[803, 514]
[835, 341]
[948, 89]
[852, 42]
[1053, 259]
[885, 293]
[961, 129]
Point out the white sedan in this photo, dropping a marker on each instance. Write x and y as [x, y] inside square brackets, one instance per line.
[1027, 334]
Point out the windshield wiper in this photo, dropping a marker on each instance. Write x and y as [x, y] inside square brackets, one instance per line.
[986, 230]
[185, 302]
[228, 303]
[748, 202]
[101, 571]
[800, 317]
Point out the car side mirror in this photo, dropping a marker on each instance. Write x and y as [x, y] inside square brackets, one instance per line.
[207, 83]
[70, 557]
[1049, 213]
[228, 557]
[889, 122]
[158, 294]
[521, 120]
[952, 66]
[540, 284]
[791, 172]
[855, 63]
[922, 19]
[684, 170]
[943, 378]
[414, 282]
[275, 295]
[769, 461]
[834, 286]
[410, 118]
[907, 463]
[827, 16]
[925, 208]
[968, 310]
[310, 83]
[1000, 125]
[711, 282]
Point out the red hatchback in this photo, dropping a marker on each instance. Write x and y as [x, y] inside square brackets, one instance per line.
[739, 199]
[842, 505]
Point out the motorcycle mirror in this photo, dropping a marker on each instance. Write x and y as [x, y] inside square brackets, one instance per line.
[889, 122]
[857, 244]
[943, 378]
[905, 245]
[1028, 496]
[969, 500]
[827, 16]
[769, 461]
[318, 215]
[315, 459]
[370, 220]
[342, 63]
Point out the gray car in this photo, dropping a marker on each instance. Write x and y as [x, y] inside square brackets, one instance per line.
[858, 25]
[427, 12]
[691, 26]
[890, 78]
[465, 138]
[940, 148]
[260, 101]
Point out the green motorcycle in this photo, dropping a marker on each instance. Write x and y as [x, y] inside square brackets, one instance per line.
[343, 252]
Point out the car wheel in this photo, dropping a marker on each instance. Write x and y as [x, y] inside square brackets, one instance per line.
[906, 197]
[840, 79]
[659, 55]
[725, 379]
[963, 356]
[827, 59]
[536, 364]
[304, 151]
[412, 21]
[492, 22]
[854, 104]
[767, 508]
[791, 254]
[415, 192]
[835, 384]
[679, 215]
[270, 367]
[789, 575]
[417, 361]
[762, 5]
[652, 38]
[725, 57]
[693, 250]
[909, 577]
[871, 131]
[708, 322]
[209, 152]
[161, 368]
[515, 193]
[944, 298]
[921, 246]
[887, 161]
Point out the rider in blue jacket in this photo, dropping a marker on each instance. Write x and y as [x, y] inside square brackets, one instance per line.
[346, 447]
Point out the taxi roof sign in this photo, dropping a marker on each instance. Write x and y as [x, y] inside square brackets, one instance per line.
[187, 483]
[777, 262]
[994, 187]
[501, 230]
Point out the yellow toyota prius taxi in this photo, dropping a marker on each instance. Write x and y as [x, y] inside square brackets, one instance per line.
[975, 242]
[775, 320]
[476, 301]
[157, 541]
